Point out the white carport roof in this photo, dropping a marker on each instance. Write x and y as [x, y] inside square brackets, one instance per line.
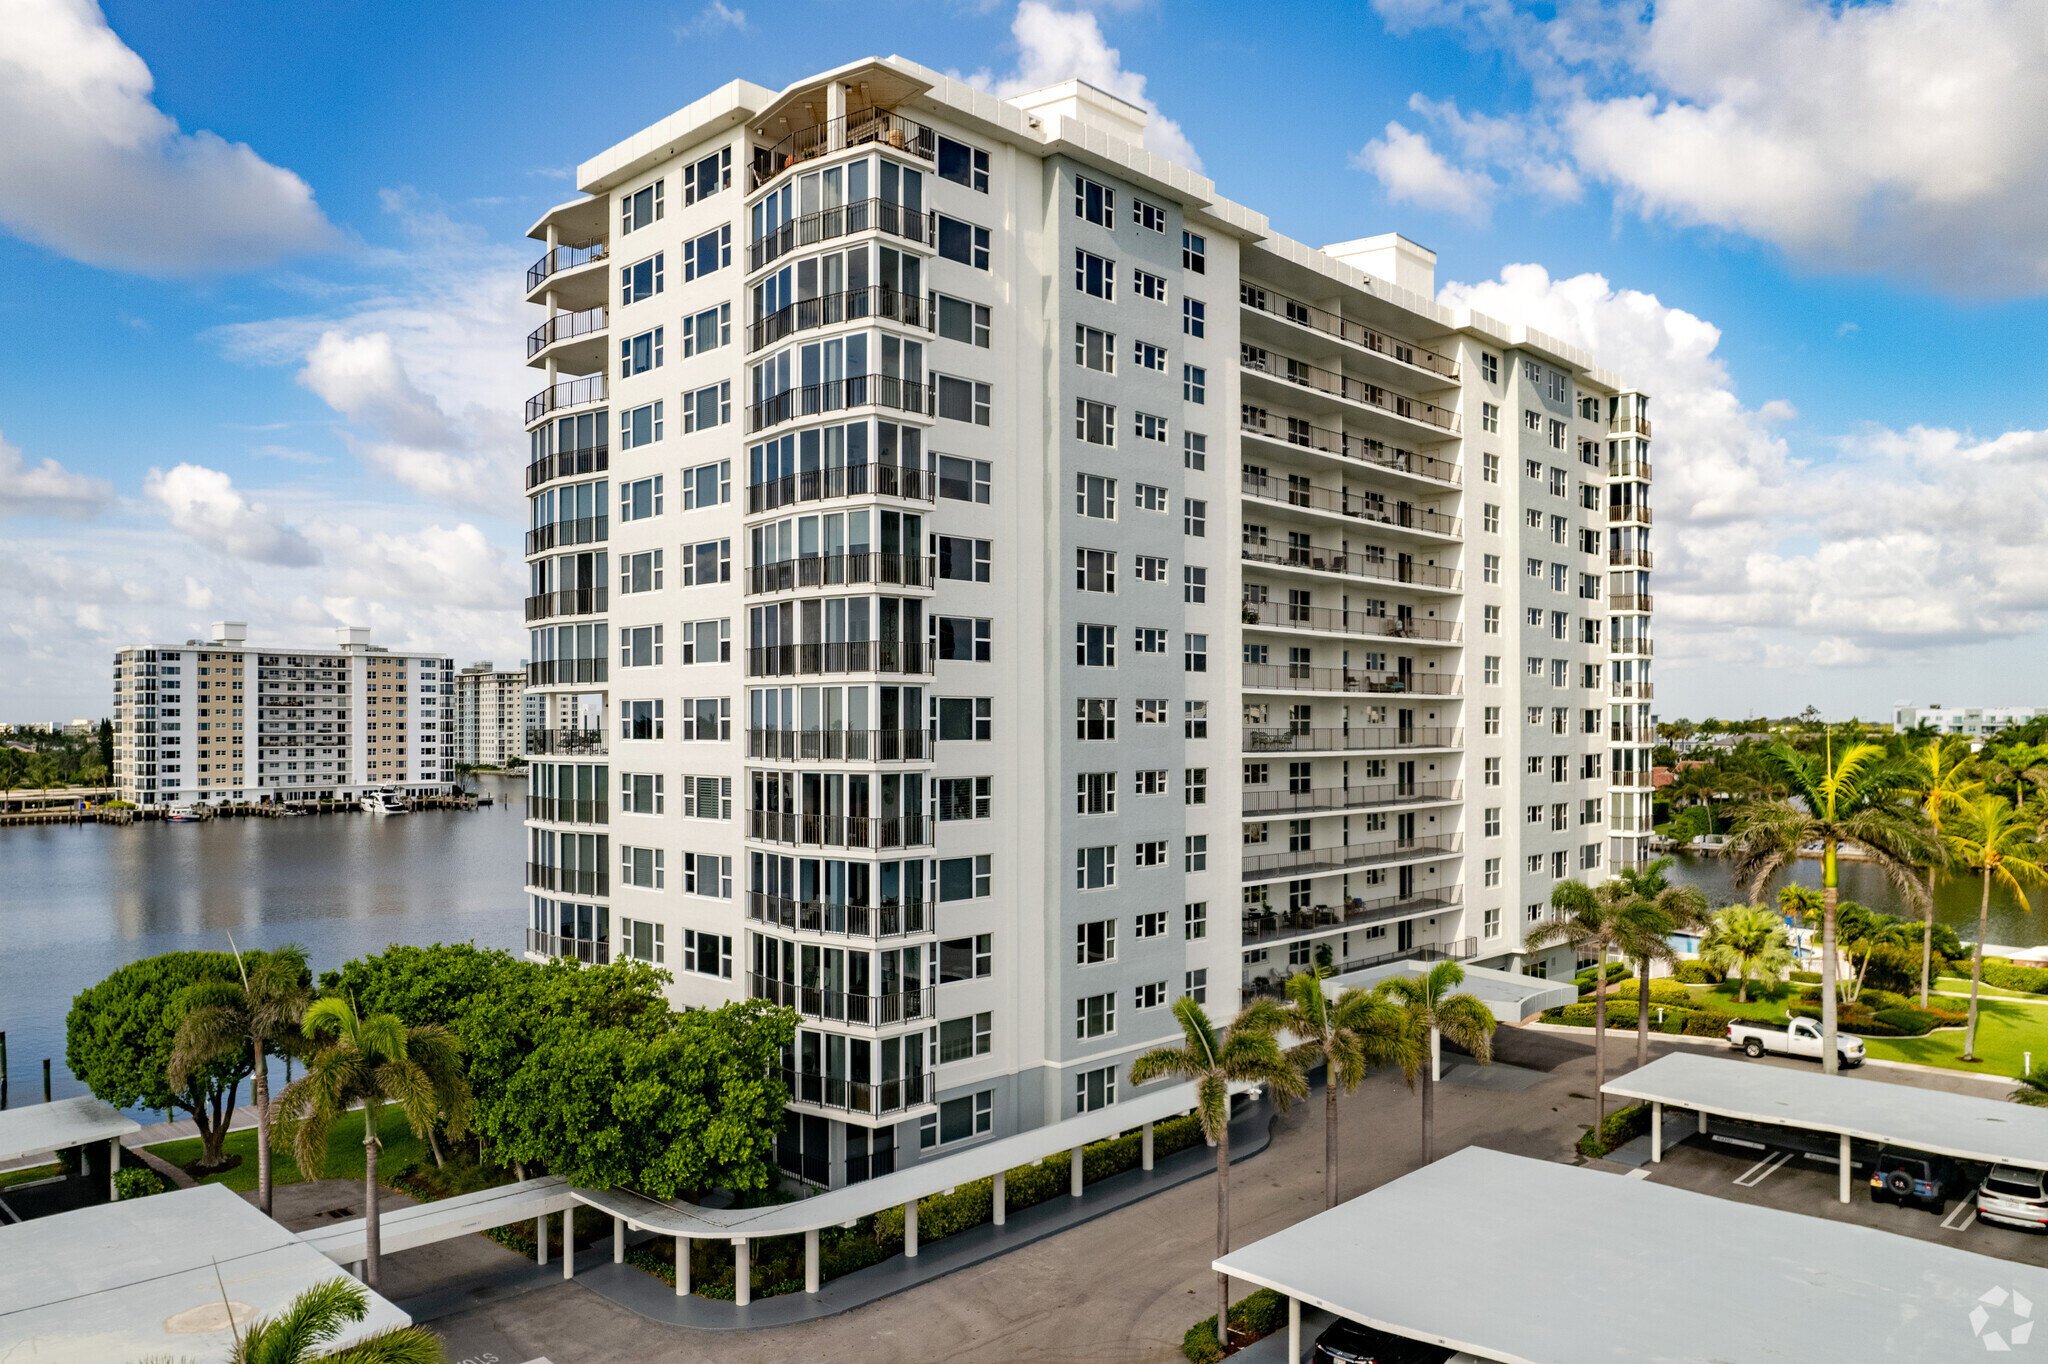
[1963, 1126]
[58, 1126]
[1529, 1262]
[128, 1280]
[1508, 995]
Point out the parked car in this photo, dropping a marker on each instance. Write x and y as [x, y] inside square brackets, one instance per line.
[2014, 1197]
[1910, 1177]
[1799, 1038]
[1347, 1342]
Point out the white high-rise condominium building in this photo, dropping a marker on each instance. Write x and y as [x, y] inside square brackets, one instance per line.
[990, 586]
[1976, 722]
[222, 721]
[490, 715]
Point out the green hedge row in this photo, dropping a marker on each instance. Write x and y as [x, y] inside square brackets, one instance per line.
[1251, 1318]
[1904, 1020]
[1696, 973]
[2006, 976]
[1693, 1022]
[1623, 1126]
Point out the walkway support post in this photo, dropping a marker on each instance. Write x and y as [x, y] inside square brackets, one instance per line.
[910, 1230]
[540, 1239]
[742, 1271]
[682, 1266]
[114, 1169]
[1845, 1167]
[1075, 1179]
[812, 1275]
[618, 1240]
[1656, 1132]
[1001, 1192]
[1145, 1148]
[568, 1244]
[1293, 1330]
[1702, 1116]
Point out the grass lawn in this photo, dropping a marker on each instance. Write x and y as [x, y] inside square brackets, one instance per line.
[29, 1175]
[344, 1152]
[1760, 1008]
[2005, 1032]
[1961, 985]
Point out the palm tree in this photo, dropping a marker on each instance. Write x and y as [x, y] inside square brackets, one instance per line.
[317, 1316]
[259, 1012]
[41, 772]
[1585, 917]
[1654, 910]
[1743, 940]
[370, 1061]
[1350, 1036]
[1858, 798]
[1247, 1055]
[2033, 1087]
[1943, 777]
[1434, 1010]
[1997, 841]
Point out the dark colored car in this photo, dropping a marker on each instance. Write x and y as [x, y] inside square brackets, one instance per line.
[1346, 1342]
[1910, 1177]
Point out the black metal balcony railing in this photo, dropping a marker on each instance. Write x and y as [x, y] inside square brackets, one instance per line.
[1463, 949]
[1357, 333]
[839, 831]
[858, 390]
[582, 530]
[1286, 739]
[1630, 511]
[840, 570]
[565, 327]
[589, 951]
[1266, 925]
[589, 459]
[564, 743]
[554, 672]
[1257, 421]
[839, 745]
[847, 480]
[1635, 648]
[907, 919]
[569, 880]
[1362, 797]
[575, 602]
[1301, 374]
[871, 1097]
[555, 810]
[1629, 557]
[1638, 469]
[842, 220]
[1351, 563]
[1302, 677]
[876, 302]
[884, 126]
[1371, 508]
[1630, 601]
[567, 256]
[874, 1011]
[844, 656]
[1333, 620]
[565, 393]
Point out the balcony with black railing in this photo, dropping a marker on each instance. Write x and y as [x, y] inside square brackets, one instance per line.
[1305, 435]
[873, 1098]
[839, 1006]
[556, 672]
[565, 393]
[1299, 374]
[1629, 426]
[840, 745]
[841, 220]
[589, 459]
[868, 127]
[1304, 677]
[1338, 621]
[587, 601]
[836, 395]
[560, 810]
[1364, 796]
[911, 918]
[566, 743]
[1293, 310]
[1348, 857]
[840, 570]
[589, 951]
[1628, 511]
[1389, 738]
[1268, 925]
[1351, 563]
[580, 530]
[875, 303]
[841, 656]
[1368, 508]
[566, 327]
[568, 256]
[569, 880]
[839, 831]
[845, 480]
[1627, 556]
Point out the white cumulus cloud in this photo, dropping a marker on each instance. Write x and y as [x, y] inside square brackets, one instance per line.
[1414, 172]
[92, 169]
[47, 489]
[204, 504]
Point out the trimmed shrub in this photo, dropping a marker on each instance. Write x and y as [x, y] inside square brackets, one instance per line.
[1251, 1318]
[1892, 967]
[1623, 1126]
[1806, 977]
[2006, 976]
[1907, 1022]
[1705, 1023]
[1877, 1001]
[1696, 973]
[138, 1183]
[1615, 971]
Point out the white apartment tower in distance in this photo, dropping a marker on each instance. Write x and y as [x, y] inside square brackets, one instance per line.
[490, 714]
[221, 721]
[985, 585]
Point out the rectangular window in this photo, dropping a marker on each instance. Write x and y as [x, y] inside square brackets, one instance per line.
[963, 164]
[1149, 286]
[964, 798]
[708, 561]
[966, 958]
[1095, 868]
[1094, 1089]
[641, 279]
[1194, 451]
[1148, 356]
[1145, 426]
[1194, 719]
[962, 400]
[1196, 655]
[1148, 639]
[1195, 785]
[640, 426]
[1095, 497]
[962, 639]
[638, 354]
[1094, 275]
[1489, 368]
[1095, 718]
[1489, 417]
[1194, 920]
[709, 406]
[642, 941]
[707, 330]
[638, 209]
[963, 480]
[707, 797]
[962, 559]
[707, 485]
[641, 867]
[958, 320]
[1196, 853]
[1094, 422]
[964, 878]
[963, 242]
[709, 954]
[1194, 253]
[965, 719]
[1094, 1016]
[1150, 568]
[640, 793]
[706, 719]
[1194, 383]
[971, 1115]
[712, 251]
[1493, 821]
[1095, 793]
[1194, 317]
[706, 641]
[1095, 203]
[640, 499]
[1095, 349]
[961, 1039]
[1095, 570]
[1194, 586]
[640, 646]
[1094, 645]
[1194, 515]
[708, 176]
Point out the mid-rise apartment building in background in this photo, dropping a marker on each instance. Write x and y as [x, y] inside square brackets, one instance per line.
[1975, 722]
[490, 715]
[220, 721]
[985, 586]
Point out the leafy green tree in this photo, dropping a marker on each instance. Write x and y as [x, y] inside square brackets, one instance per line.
[2033, 1087]
[104, 741]
[1744, 941]
[42, 773]
[1998, 842]
[1433, 1009]
[13, 768]
[1247, 1055]
[1856, 796]
[120, 1034]
[1591, 920]
[370, 1062]
[258, 1011]
[1350, 1036]
[1942, 775]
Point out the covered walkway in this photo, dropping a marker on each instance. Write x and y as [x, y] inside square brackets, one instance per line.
[83, 1124]
[1847, 1108]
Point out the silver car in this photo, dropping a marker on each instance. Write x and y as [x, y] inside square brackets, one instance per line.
[2014, 1197]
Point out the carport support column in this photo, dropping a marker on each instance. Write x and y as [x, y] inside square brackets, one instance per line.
[1074, 1179]
[1293, 1330]
[1702, 1116]
[618, 1240]
[742, 1271]
[540, 1239]
[1845, 1167]
[1145, 1149]
[812, 1276]
[682, 1266]
[114, 1169]
[568, 1244]
[1656, 1132]
[1001, 1194]
[910, 1230]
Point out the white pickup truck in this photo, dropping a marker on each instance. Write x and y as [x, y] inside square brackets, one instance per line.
[1800, 1038]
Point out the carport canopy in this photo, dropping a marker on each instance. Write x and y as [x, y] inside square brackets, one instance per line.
[59, 1126]
[1508, 995]
[1935, 1121]
[1567, 1279]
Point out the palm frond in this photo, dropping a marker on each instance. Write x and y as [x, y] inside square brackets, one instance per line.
[311, 1319]
[399, 1345]
[1467, 1022]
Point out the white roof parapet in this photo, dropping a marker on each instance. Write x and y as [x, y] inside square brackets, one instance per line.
[61, 1125]
[921, 1180]
[731, 104]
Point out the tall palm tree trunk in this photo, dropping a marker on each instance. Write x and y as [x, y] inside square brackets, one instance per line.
[1329, 1134]
[1429, 1104]
[1642, 1013]
[1977, 967]
[259, 1094]
[1600, 1045]
[1927, 941]
[372, 1242]
[1223, 1224]
[1830, 895]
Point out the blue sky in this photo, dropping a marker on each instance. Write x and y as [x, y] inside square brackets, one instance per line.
[263, 338]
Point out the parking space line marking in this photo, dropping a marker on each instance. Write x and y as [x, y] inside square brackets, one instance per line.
[1762, 1170]
[1967, 1211]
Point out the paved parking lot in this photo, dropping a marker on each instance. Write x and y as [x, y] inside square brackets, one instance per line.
[1797, 1182]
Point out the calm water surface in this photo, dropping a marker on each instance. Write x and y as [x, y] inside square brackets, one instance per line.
[1955, 900]
[85, 899]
